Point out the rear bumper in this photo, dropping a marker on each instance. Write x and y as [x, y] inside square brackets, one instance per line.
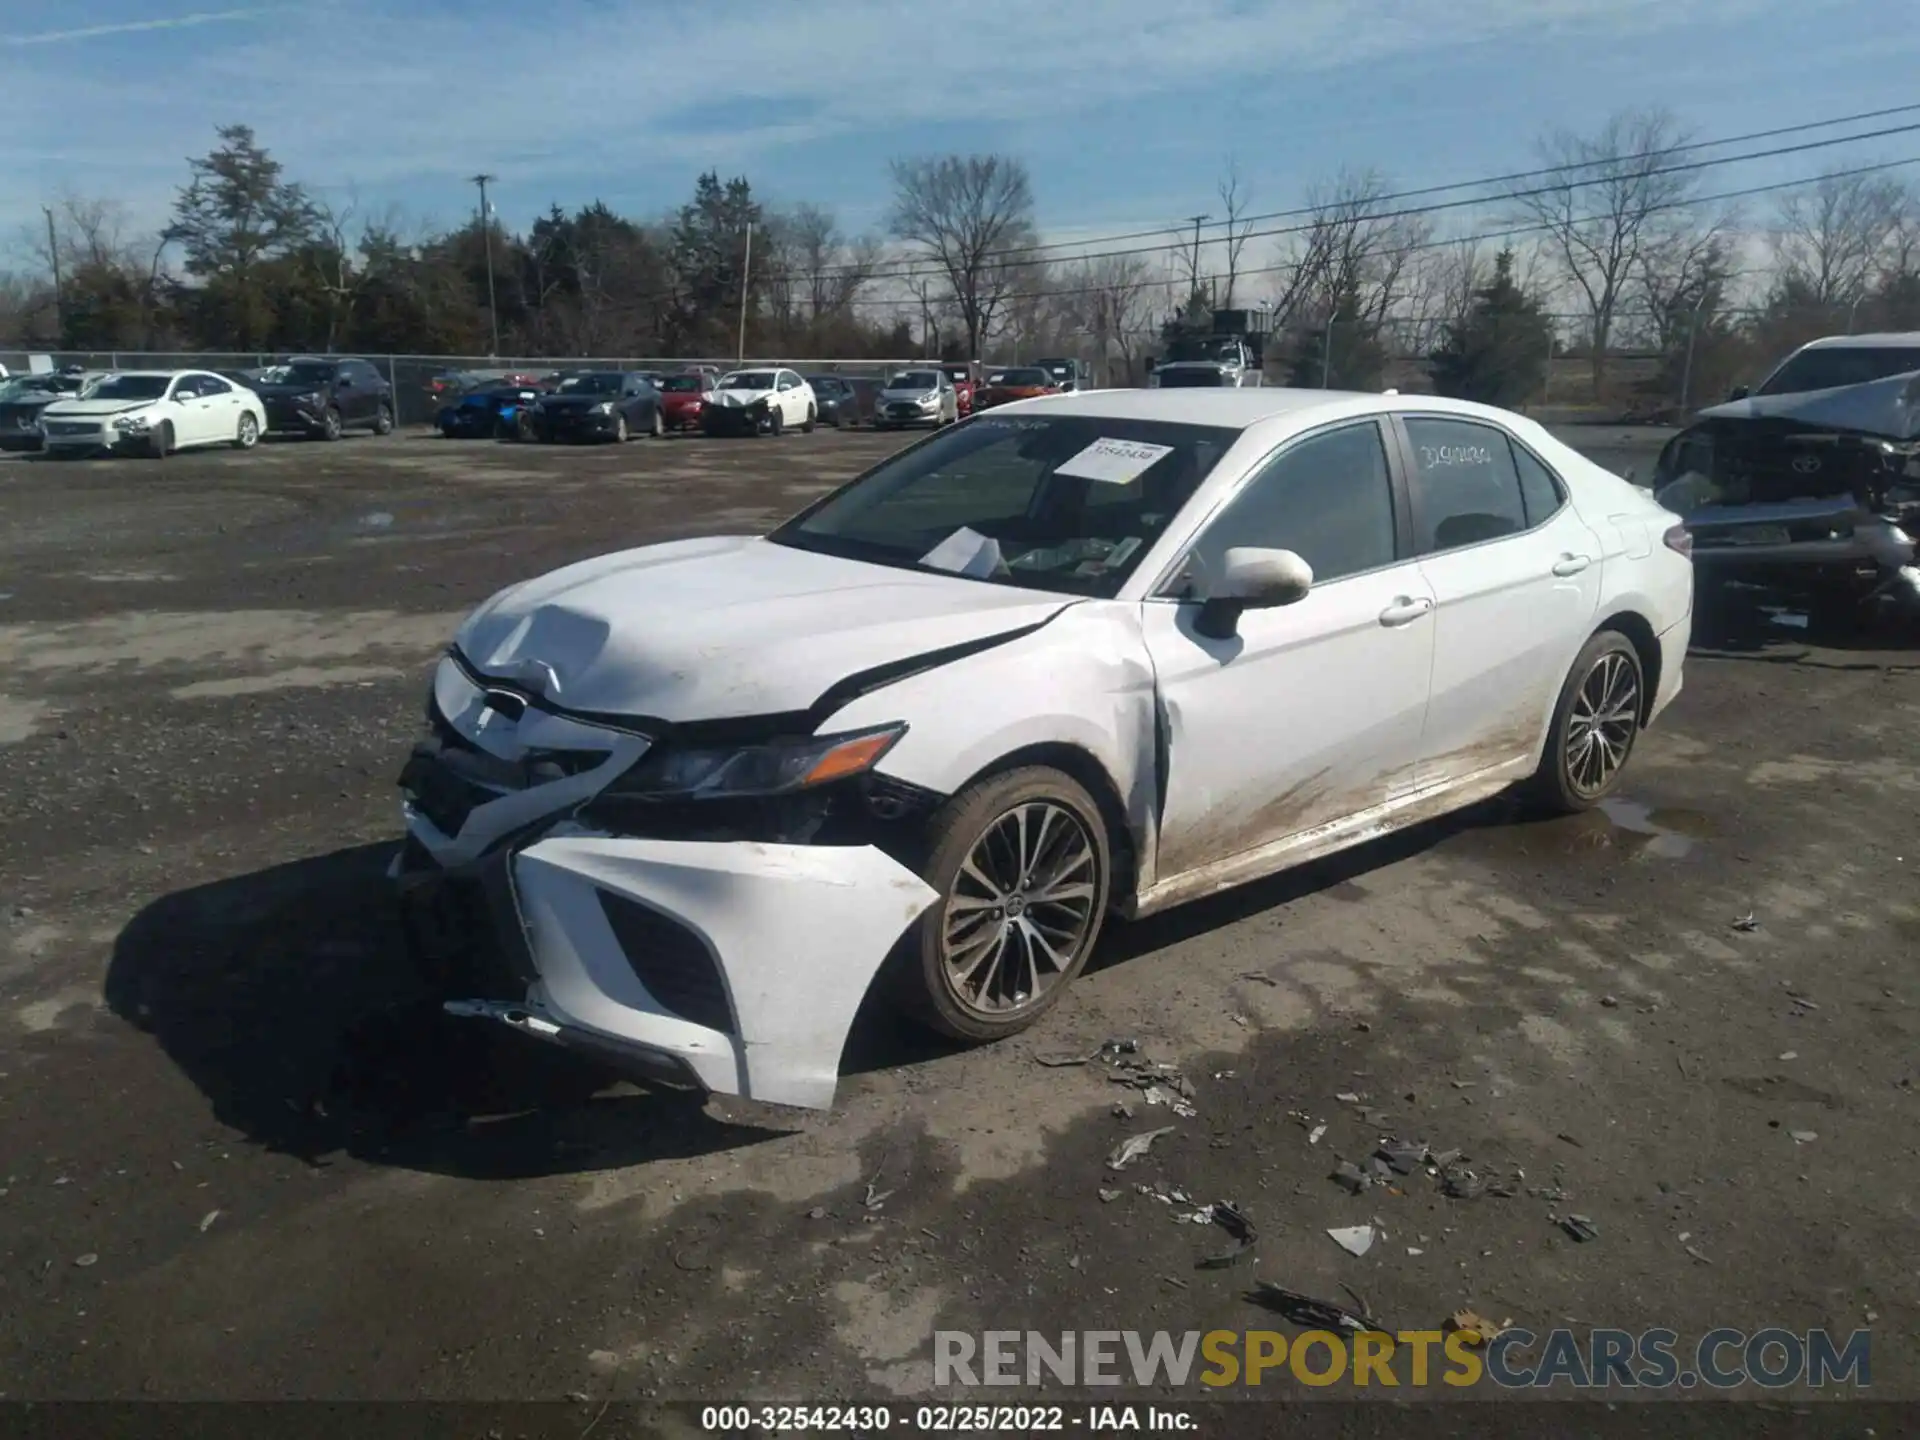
[734, 967]
[1673, 665]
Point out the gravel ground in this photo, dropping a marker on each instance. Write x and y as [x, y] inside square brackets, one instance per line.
[219, 1178]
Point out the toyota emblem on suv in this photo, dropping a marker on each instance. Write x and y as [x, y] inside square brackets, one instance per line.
[1806, 464]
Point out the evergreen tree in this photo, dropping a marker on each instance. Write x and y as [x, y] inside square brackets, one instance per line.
[1344, 355]
[1498, 353]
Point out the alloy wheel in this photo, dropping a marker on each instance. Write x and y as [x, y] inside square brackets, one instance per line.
[1020, 909]
[1601, 725]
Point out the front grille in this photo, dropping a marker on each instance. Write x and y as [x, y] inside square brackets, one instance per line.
[439, 792]
[1799, 532]
[71, 427]
[671, 961]
[463, 931]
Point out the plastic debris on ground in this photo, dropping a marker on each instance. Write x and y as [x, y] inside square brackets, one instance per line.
[1803, 1137]
[1230, 1218]
[1580, 1228]
[1313, 1135]
[1356, 1240]
[1477, 1327]
[1350, 1177]
[1107, 1197]
[1746, 924]
[1135, 1146]
[1106, 1050]
[1308, 1312]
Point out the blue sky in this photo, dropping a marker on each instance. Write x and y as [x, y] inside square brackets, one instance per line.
[1125, 110]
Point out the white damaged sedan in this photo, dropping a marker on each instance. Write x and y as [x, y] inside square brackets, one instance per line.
[685, 806]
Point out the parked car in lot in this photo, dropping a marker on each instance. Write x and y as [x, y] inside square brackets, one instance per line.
[1809, 486]
[1106, 652]
[491, 410]
[597, 405]
[154, 412]
[759, 402]
[1068, 373]
[682, 398]
[965, 376]
[24, 397]
[838, 405]
[322, 397]
[1018, 383]
[916, 397]
[449, 384]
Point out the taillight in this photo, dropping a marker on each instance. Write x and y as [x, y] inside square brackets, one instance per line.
[1679, 539]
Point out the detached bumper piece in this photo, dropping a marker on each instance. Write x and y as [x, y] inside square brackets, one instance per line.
[734, 967]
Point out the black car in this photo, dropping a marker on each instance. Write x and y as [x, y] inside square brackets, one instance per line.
[839, 402]
[321, 396]
[597, 405]
[23, 397]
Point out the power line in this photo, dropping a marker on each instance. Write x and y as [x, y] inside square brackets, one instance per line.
[1678, 168]
[1512, 233]
[1489, 181]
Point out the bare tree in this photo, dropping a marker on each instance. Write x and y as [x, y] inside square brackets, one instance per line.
[1613, 198]
[1234, 199]
[1113, 301]
[962, 212]
[1832, 238]
[1354, 251]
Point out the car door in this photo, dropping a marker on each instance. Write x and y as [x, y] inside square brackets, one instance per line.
[1515, 576]
[187, 412]
[786, 386]
[1314, 711]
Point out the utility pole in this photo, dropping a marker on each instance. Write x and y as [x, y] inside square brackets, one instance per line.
[486, 237]
[59, 293]
[746, 274]
[926, 323]
[1194, 268]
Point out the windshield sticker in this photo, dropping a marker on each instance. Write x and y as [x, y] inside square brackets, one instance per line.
[966, 552]
[1113, 462]
[1008, 422]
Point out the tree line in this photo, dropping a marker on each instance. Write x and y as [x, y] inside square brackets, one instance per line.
[1621, 235]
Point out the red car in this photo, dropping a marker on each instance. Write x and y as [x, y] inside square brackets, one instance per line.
[681, 401]
[966, 380]
[1022, 383]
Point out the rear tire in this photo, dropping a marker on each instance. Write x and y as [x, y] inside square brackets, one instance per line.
[1022, 864]
[1595, 725]
[247, 433]
[812, 417]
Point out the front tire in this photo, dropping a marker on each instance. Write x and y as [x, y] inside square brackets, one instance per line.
[160, 440]
[812, 418]
[1594, 726]
[331, 425]
[620, 435]
[775, 423]
[383, 420]
[658, 429]
[1022, 864]
[247, 434]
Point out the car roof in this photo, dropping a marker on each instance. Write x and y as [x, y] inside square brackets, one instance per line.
[1889, 339]
[1244, 408]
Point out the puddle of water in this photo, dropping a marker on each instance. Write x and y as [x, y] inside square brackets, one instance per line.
[1661, 834]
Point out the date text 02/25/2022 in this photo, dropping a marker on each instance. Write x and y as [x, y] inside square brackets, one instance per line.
[944, 1419]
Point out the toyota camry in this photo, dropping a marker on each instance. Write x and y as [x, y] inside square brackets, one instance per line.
[686, 805]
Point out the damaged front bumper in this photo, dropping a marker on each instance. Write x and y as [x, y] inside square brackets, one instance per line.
[733, 965]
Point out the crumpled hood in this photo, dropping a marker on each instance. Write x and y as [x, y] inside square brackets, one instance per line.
[726, 626]
[737, 399]
[1889, 408]
[92, 409]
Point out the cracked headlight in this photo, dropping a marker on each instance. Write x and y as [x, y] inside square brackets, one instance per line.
[133, 424]
[605, 407]
[775, 768]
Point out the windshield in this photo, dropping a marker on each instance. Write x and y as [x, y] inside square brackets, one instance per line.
[959, 373]
[1066, 502]
[915, 380]
[1190, 379]
[1203, 347]
[682, 384]
[826, 384]
[1849, 365]
[603, 382]
[298, 373]
[131, 387]
[36, 387]
[1019, 377]
[747, 380]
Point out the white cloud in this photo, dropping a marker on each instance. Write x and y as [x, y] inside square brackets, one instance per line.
[130, 27]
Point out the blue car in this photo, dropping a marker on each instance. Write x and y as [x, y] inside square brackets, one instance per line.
[490, 411]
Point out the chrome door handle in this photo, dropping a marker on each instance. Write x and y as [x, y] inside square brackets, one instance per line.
[1571, 564]
[1405, 610]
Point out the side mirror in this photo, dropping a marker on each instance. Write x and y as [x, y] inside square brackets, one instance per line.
[1250, 579]
[1738, 392]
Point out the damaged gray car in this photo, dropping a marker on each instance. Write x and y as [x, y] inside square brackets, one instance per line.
[1810, 485]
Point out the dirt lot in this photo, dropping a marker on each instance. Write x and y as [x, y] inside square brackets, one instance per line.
[220, 1178]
